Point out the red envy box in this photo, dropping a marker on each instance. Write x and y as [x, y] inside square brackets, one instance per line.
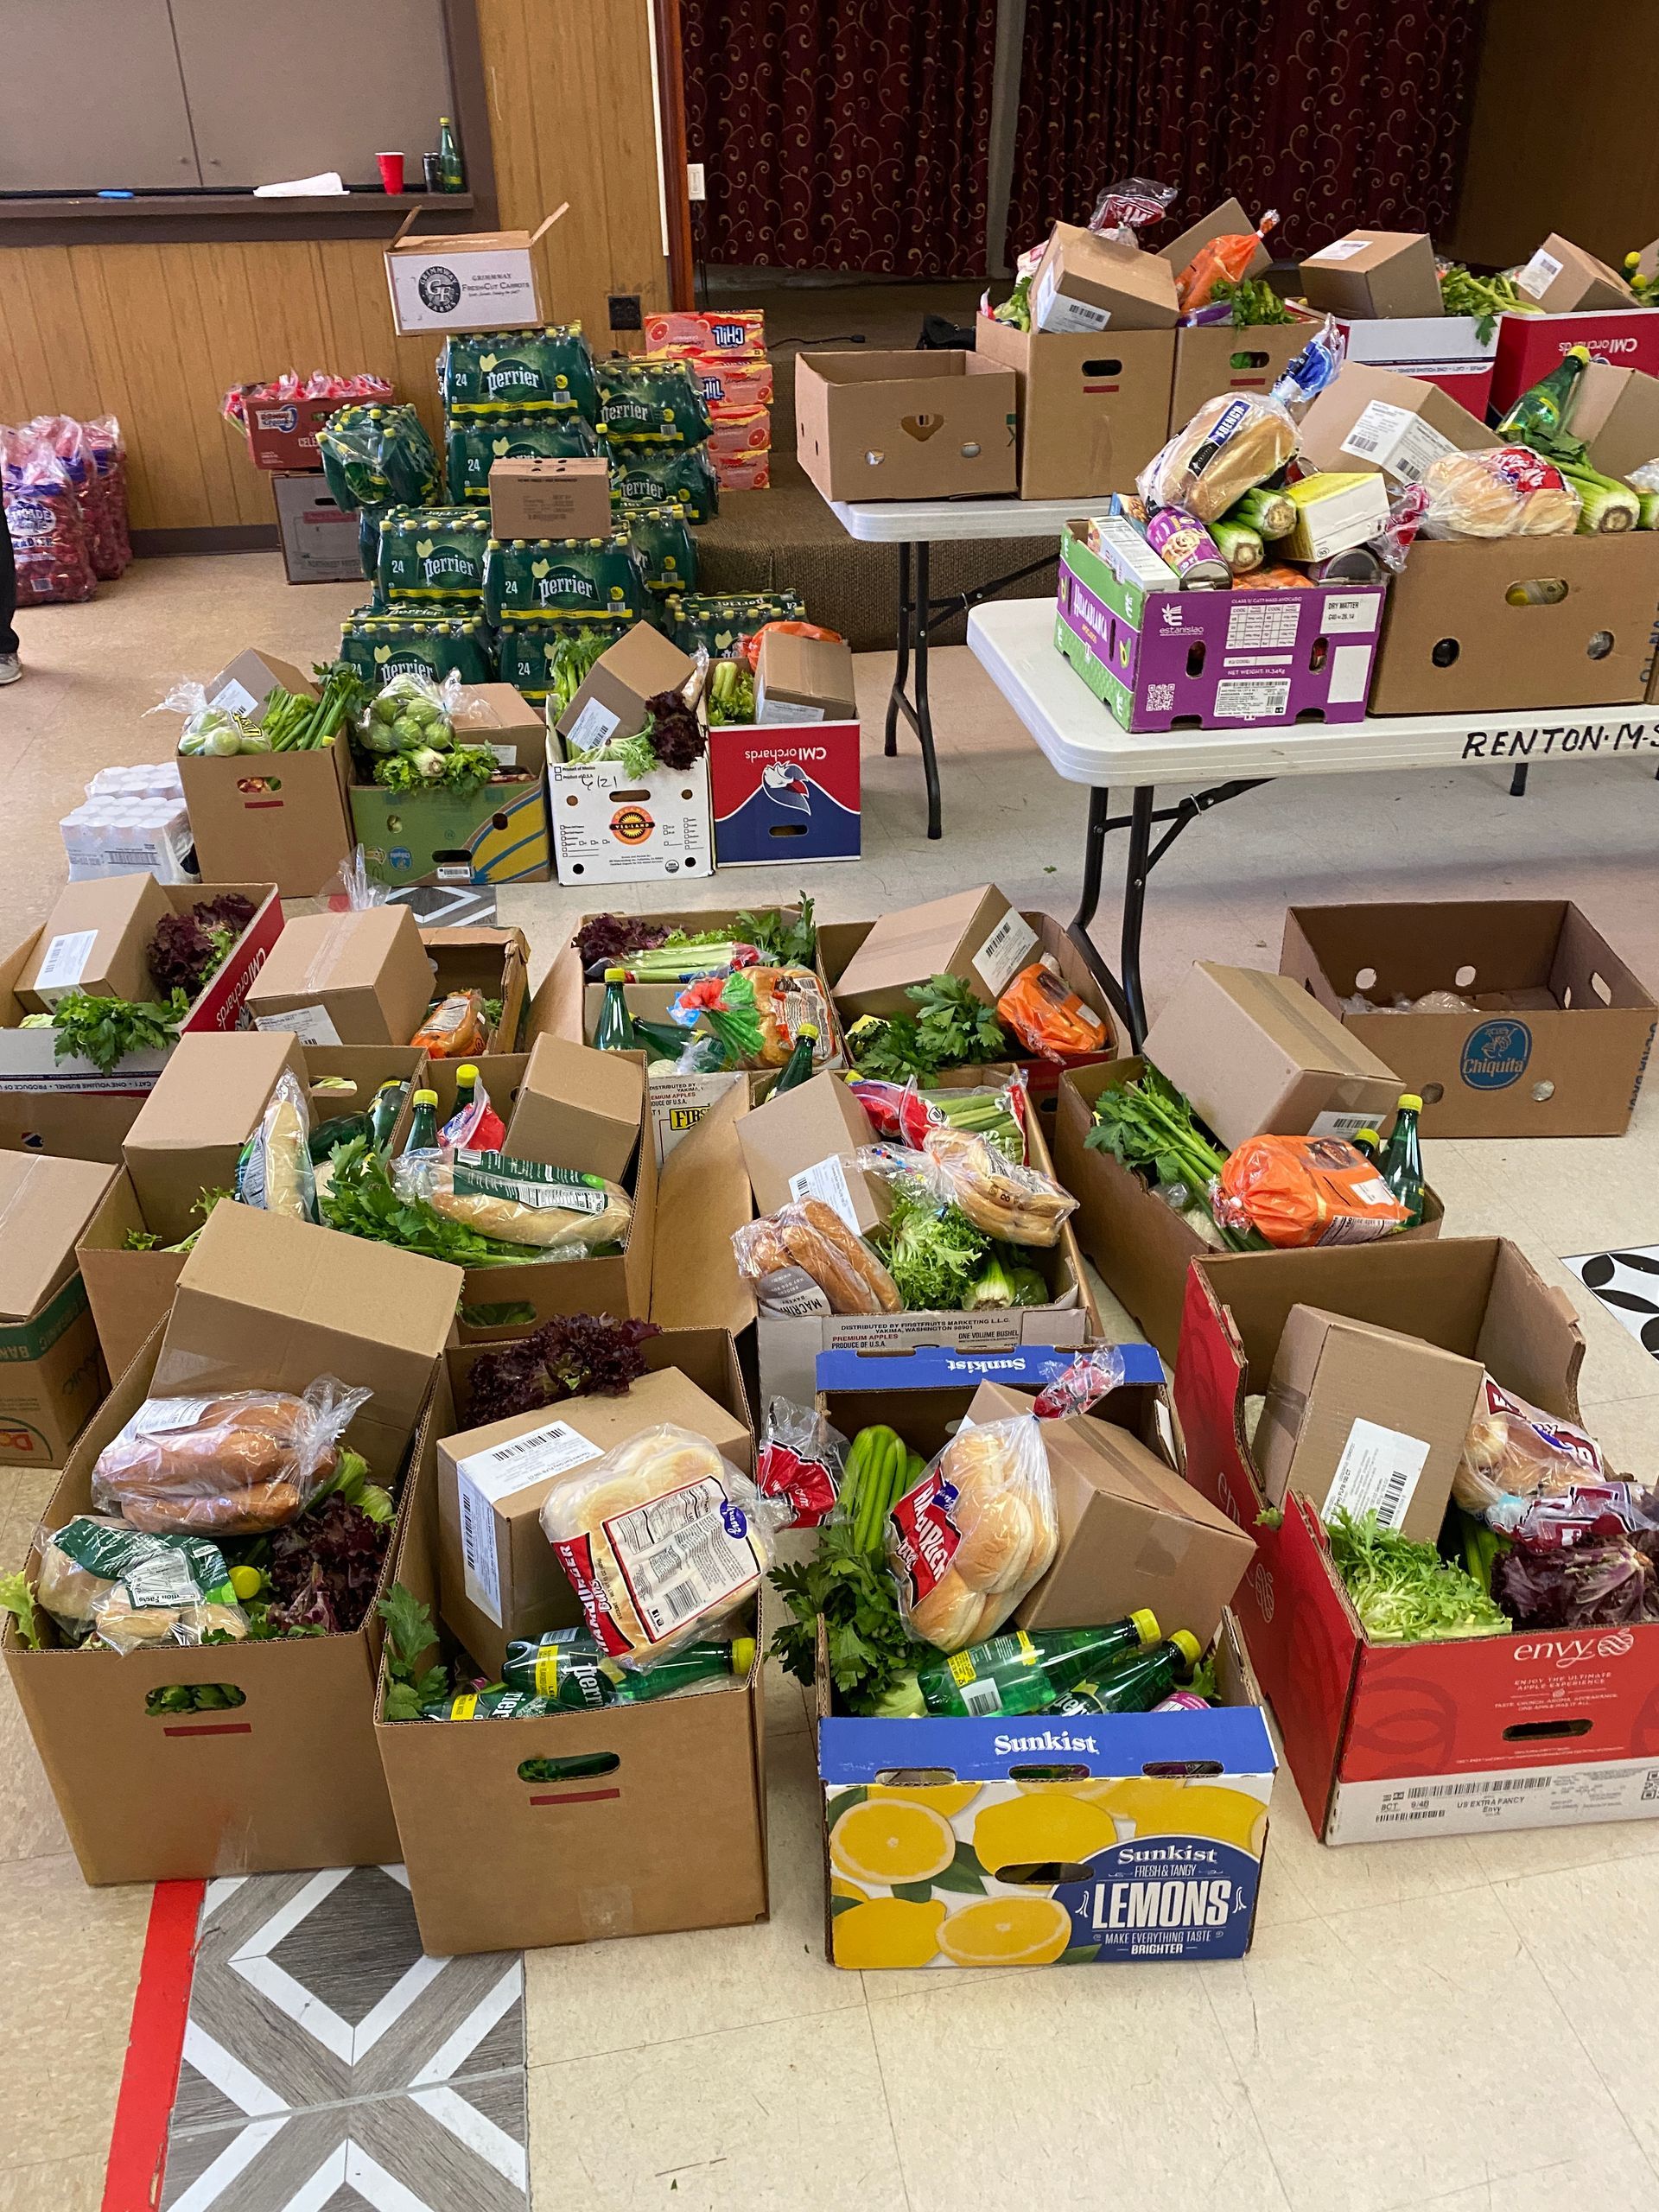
[1540, 1729]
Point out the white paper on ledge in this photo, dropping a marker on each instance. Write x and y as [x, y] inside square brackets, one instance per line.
[302, 188]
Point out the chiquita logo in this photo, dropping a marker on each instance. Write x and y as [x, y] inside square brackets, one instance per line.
[1495, 1055]
[630, 825]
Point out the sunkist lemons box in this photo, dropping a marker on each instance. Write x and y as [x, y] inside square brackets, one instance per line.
[1131, 1838]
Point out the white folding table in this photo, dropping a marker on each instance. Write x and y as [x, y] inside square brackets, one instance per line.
[1082, 743]
[914, 526]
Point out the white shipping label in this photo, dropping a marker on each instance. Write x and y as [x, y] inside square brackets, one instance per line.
[1051, 310]
[312, 1025]
[682, 1554]
[1540, 273]
[1405, 447]
[65, 962]
[593, 725]
[1349, 610]
[1005, 952]
[167, 1416]
[1470, 1804]
[1351, 674]
[1258, 700]
[506, 756]
[828, 1181]
[237, 696]
[1339, 1124]
[1342, 249]
[486, 1478]
[786, 710]
[1378, 1472]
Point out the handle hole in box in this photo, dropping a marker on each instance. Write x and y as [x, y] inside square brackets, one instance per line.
[1444, 651]
[1043, 1873]
[1247, 361]
[1433, 1093]
[1183, 1769]
[789, 830]
[1543, 1731]
[584, 1766]
[1103, 368]
[1603, 990]
[1049, 1774]
[1536, 591]
[916, 1777]
[1600, 645]
[180, 1701]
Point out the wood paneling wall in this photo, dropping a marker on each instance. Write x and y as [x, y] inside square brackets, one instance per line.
[156, 334]
[1562, 137]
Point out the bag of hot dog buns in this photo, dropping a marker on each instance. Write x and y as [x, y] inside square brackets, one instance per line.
[233, 1462]
[803, 1259]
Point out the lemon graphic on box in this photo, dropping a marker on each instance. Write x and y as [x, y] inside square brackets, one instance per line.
[1033, 1830]
[1004, 1932]
[1190, 1808]
[948, 1798]
[887, 1840]
[888, 1932]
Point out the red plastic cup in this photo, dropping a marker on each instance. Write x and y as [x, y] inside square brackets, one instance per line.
[391, 172]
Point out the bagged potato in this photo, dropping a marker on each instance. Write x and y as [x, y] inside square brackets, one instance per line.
[663, 1539]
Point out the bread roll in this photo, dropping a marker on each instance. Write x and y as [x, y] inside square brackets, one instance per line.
[1234, 442]
[947, 1616]
[996, 1548]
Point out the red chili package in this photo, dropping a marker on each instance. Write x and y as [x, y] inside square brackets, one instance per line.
[801, 1462]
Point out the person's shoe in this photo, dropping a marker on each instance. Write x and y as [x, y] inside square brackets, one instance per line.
[11, 668]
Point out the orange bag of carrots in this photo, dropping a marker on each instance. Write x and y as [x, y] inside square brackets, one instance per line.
[1297, 1190]
[1220, 261]
[751, 647]
[1048, 1018]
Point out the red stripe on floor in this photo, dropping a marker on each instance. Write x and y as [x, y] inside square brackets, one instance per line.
[150, 2081]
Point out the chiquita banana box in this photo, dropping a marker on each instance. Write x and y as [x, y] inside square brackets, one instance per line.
[1048, 1840]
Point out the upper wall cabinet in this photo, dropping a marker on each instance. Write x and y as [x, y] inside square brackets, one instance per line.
[92, 98]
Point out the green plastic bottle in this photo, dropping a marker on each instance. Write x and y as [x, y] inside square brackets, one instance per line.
[423, 1129]
[1139, 1682]
[571, 1670]
[1544, 410]
[798, 1068]
[614, 1030]
[1028, 1672]
[466, 1086]
[388, 1105]
[1367, 1143]
[450, 172]
[1402, 1161]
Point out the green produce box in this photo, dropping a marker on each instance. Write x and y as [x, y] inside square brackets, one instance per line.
[516, 369]
[562, 576]
[476, 438]
[496, 834]
[431, 553]
[648, 475]
[430, 641]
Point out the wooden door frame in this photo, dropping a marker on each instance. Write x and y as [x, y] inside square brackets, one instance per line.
[676, 201]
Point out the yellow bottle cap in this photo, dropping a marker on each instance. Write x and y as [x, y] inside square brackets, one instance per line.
[426, 1098]
[1375, 1135]
[465, 1073]
[616, 974]
[1410, 1099]
[1146, 1625]
[742, 1655]
[809, 1030]
[246, 1581]
[1188, 1645]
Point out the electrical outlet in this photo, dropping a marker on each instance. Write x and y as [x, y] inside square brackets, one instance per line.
[694, 186]
[625, 311]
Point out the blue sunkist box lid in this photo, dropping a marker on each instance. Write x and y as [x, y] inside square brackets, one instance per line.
[1232, 1738]
[944, 1367]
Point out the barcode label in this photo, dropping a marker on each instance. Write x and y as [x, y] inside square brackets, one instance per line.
[982, 1696]
[481, 1569]
[1493, 1786]
[1377, 1473]
[682, 1554]
[551, 1450]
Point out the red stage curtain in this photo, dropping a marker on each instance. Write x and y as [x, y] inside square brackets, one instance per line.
[842, 134]
[1339, 113]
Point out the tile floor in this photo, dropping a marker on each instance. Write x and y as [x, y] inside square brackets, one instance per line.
[1455, 2023]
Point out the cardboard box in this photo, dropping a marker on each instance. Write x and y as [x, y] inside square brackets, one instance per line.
[1225, 221]
[781, 792]
[246, 683]
[1561, 1038]
[975, 935]
[1365, 1419]
[610, 701]
[130, 1292]
[96, 939]
[1376, 419]
[360, 978]
[206, 1103]
[1616, 412]
[494, 834]
[493, 961]
[1562, 276]
[1086, 284]
[1334, 513]
[1453, 642]
[514, 730]
[282, 434]
[1393, 1740]
[1211, 658]
[500, 1578]
[69, 1124]
[478, 280]
[1141, 1247]
[578, 1107]
[1256, 1058]
[574, 1858]
[1373, 273]
[1186, 1887]
[290, 1778]
[1216, 357]
[783, 1139]
[612, 827]
[803, 680]
[317, 536]
[1454, 353]
[1530, 346]
[536, 496]
[51, 1378]
[27, 1061]
[1092, 415]
[286, 814]
[906, 426]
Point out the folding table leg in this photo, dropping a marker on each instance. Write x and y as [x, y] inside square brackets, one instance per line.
[901, 655]
[923, 716]
[1518, 781]
[1094, 857]
[1136, 866]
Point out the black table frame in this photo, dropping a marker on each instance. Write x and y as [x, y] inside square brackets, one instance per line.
[1124, 993]
[917, 613]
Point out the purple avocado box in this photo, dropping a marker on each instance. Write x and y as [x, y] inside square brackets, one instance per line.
[1211, 660]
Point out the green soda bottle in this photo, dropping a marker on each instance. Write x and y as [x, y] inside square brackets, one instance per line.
[1367, 1143]
[423, 1129]
[614, 1031]
[1402, 1161]
[466, 1086]
[1028, 1672]
[798, 1068]
[1543, 410]
[388, 1105]
[1139, 1682]
[571, 1670]
[450, 172]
